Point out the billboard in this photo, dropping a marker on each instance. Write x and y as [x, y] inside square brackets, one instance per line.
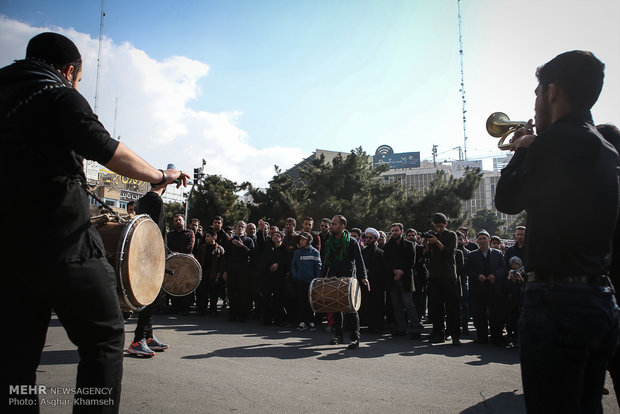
[398, 160]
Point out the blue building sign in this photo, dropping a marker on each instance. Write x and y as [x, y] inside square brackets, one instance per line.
[385, 155]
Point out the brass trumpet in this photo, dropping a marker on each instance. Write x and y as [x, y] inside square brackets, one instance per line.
[499, 125]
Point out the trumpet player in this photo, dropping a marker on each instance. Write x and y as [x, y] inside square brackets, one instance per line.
[566, 177]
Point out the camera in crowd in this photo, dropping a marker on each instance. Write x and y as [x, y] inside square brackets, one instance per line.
[428, 234]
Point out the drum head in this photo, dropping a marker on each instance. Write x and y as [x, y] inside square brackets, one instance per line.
[355, 294]
[144, 261]
[182, 274]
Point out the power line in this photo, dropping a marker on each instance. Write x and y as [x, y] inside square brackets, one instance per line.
[99, 58]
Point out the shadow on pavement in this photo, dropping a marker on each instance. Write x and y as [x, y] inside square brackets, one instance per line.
[504, 403]
[314, 344]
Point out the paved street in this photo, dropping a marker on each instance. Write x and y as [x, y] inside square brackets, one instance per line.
[216, 366]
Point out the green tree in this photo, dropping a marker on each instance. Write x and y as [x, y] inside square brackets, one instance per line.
[282, 199]
[218, 196]
[445, 195]
[487, 220]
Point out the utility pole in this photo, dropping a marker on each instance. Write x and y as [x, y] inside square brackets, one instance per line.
[434, 155]
[99, 59]
[462, 90]
[199, 174]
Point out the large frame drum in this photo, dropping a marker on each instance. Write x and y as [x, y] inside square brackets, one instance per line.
[135, 249]
[335, 294]
[183, 274]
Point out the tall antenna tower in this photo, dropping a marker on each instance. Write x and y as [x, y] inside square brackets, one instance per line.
[99, 58]
[462, 90]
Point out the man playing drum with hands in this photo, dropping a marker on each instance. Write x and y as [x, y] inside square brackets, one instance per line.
[343, 258]
[46, 122]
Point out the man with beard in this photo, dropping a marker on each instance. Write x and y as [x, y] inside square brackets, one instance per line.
[444, 286]
[46, 122]
[372, 310]
[343, 258]
[399, 256]
[566, 178]
[181, 240]
[239, 256]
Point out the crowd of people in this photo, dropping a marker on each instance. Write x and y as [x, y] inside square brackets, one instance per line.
[565, 176]
[408, 277]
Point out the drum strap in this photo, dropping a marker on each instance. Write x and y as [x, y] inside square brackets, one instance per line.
[99, 200]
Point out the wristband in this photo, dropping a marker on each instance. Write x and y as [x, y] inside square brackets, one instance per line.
[163, 178]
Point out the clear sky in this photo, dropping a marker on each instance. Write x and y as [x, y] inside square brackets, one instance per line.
[250, 84]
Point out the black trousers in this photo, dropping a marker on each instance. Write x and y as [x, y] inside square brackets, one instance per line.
[239, 291]
[487, 308]
[444, 296]
[348, 320]
[83, 296]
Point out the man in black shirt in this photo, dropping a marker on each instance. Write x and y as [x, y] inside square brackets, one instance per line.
[44, 121]
[144, 342]
[343, 258]
[566, 178]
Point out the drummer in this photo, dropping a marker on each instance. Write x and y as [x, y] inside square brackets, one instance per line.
[46, 122]
[343, 258]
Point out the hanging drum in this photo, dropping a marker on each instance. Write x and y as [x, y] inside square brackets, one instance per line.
[182, 274]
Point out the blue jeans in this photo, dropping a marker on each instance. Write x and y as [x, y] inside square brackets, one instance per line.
[568, 332]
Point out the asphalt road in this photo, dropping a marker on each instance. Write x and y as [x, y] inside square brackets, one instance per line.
[216, 366]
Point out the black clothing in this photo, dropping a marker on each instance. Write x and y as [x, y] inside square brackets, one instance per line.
[444, 287]
[372, 310]
[238, 259]
[487, 299]
[181, 241]
[272, 283]
[45, 122]
[574, 192]
[515, 250]
[352, 265]
[152, 204]
[400, 256]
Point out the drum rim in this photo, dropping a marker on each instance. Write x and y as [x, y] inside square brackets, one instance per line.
[119, 263]
[196, 262]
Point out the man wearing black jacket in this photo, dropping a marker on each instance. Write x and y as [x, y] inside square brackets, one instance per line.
[399, 256]
[487, 271]
[566, 178]
[343, 258]
[372, 310]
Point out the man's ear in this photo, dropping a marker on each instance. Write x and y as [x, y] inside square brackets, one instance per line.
[68, 72]
[553, 93]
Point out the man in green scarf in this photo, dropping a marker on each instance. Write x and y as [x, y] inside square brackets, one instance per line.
[343, 258]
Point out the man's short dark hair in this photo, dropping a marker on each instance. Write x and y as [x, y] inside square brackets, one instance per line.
[195, 220]
[326, 220]
[411, 231]
[578, 73]
[399, 225]
[55, 50]
[496, 239]
[309, 219]
[341, 219]
[439, 218]
[218, 218]
[356, 230]
[291, 220]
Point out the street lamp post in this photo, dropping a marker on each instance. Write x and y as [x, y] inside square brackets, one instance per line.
[199, 174]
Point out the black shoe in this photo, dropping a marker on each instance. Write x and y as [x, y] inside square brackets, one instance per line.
[336, 340]
[416, 336]
[354, 344]
[456, 342]
[436, 338]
